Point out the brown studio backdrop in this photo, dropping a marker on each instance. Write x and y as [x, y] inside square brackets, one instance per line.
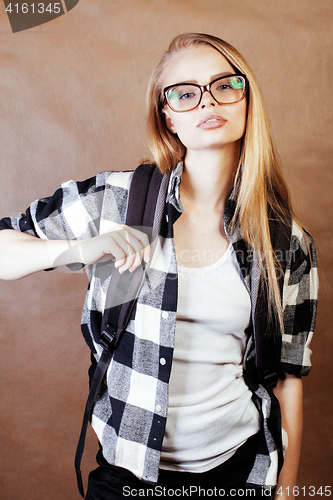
[72, 104]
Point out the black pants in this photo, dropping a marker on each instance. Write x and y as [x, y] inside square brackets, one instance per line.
[108, 482]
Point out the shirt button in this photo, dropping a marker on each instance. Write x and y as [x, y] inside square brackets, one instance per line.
[165, 315]
[158, 408]
[163, 361]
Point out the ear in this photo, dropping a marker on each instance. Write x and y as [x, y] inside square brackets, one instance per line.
[168, 120]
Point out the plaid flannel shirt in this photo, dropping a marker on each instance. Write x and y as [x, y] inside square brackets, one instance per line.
[130, 412]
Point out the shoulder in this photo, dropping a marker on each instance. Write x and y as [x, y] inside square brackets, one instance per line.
[288, 236]
[108, 187]
[301, 238]
[301, 277]
[302, 251]
[100, 182]
[116, 179]
[123, 179]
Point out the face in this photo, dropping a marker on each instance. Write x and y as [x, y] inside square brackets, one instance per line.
[210, 125]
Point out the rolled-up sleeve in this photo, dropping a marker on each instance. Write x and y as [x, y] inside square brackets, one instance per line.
[300, 295]
[72, 212]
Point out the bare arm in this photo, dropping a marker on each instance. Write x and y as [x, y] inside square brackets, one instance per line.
[22, 254]
[289, 392]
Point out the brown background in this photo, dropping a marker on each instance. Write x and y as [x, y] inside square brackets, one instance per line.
[72, 104]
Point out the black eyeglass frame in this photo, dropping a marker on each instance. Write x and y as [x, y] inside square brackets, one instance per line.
[204, 88]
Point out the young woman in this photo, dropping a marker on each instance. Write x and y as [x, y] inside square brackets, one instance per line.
[186, 409]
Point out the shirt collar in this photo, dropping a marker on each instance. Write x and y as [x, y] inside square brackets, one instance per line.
[173, 194]
[173, 197]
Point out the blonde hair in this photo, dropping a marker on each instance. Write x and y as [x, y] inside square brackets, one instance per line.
[259, 181]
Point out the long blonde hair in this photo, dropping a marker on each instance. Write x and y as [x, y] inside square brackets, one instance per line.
[259, 181]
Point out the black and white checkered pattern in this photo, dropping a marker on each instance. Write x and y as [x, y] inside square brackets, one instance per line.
[130, 413]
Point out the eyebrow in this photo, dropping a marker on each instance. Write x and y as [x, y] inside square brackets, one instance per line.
[212, 78]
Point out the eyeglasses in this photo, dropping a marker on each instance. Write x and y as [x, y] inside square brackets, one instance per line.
[187, 96]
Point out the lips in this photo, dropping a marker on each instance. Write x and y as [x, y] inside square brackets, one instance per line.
[211, 121]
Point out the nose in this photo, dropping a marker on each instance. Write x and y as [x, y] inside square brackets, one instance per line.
[207, 99]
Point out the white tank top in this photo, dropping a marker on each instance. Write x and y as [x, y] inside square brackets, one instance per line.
[211, 413]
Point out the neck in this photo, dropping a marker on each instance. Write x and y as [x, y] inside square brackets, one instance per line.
[208, 177]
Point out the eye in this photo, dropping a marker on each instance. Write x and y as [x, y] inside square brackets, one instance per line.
[181, 93]
[186, 95]
[224, 86]
[236, 83]
[230, 83]
[183, 97]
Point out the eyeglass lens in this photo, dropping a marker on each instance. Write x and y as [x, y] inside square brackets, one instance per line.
[185, 97]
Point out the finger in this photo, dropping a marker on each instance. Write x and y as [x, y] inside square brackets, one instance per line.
[131, 262]
[141, 236]
[136, 263]
[125, 264]
[146, 253]
[124, 254]
[143, 240]
[134, 244]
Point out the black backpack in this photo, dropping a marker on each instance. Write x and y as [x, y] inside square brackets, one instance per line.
[145, 188]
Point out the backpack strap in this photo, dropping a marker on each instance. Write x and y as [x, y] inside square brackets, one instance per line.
[123, 290]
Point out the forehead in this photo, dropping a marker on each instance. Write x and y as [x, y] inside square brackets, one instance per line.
[197, 64]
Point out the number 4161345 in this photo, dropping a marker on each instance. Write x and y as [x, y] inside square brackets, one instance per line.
[39, 8]
[302, 491]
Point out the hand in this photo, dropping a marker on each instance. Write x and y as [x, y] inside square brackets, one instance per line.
[126, 244]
